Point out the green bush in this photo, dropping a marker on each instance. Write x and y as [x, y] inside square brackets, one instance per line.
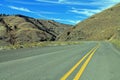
[116, 43]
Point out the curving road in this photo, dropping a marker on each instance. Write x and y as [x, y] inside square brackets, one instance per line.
[52, 63]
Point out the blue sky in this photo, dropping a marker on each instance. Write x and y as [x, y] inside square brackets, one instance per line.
[64, 11]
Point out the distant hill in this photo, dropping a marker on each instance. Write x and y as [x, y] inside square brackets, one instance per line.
[20, 29]
[102, 26]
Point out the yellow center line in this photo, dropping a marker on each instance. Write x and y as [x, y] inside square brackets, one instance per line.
[76, 65]
[78, 75]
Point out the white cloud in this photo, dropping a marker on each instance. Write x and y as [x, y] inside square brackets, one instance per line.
[87, 12]
[113, 0]
[27, 10]
[20, 8]
[66, 20]
[101, 3]
[69, 2]
[46, 1]
[24, 2]
[57, 19]
[80, 17]
[60, 1]
[72, 21]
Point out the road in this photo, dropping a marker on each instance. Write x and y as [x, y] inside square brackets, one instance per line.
[93, 60]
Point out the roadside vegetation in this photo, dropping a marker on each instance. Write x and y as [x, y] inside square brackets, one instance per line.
[116, 43]
[39, 44]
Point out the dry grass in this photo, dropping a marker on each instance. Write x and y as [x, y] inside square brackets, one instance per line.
[101, 26]
[39, 44]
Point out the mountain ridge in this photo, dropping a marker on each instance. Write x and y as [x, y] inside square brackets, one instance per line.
[20, 29]
[101, 26]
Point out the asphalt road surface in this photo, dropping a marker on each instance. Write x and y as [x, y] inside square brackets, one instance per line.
[87, 61]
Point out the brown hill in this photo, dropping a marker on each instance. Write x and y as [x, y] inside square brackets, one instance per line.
[19, 29]
[102, 26]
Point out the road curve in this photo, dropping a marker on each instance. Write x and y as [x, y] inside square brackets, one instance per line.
[51, 63]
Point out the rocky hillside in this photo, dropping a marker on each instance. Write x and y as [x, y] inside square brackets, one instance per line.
[19, 29]
[102, 26]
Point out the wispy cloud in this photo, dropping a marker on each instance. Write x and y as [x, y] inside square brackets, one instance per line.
[67, 2]
[20, 8]
[87, 12]
[71, 6]
[66, 20]
[29, 11]
[39, 13]
[48, 1]
[62, 1]
[112, 0]
[23, 2]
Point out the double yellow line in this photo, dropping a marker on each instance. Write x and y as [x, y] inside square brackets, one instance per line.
[78, 75]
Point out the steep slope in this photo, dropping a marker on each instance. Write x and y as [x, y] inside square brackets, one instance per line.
[102, 26]
[19, 29]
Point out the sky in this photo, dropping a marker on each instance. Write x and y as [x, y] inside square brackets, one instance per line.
[63, 11]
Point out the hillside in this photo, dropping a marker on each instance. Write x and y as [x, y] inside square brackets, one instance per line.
[20, 29]
[102, 26]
